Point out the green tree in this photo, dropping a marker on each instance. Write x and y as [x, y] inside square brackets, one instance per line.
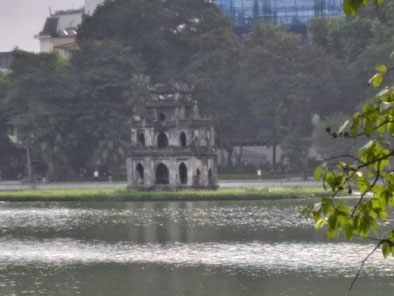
[109, 77]
[165, 33]
[268, 56]
[213, 71]
[8, 151]
[368, 172]
[358, 44]
[296, 149]
[5, 85]
[32, 103]
[282, 82]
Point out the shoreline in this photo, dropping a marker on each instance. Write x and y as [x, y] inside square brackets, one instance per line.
[122, 194]
[251, 183]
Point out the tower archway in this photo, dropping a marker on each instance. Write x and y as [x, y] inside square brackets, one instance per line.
[183, 173]
[140, 173]
[198, 177]
[141, 140]
[182, 140]
[210, 177]
[162, 140]
[162, 174]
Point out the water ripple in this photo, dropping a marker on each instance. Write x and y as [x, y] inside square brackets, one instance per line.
[62, 218]
[338, 259]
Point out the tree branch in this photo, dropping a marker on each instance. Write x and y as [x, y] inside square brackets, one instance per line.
[363, 263]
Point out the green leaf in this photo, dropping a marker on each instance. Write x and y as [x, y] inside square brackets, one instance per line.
[362, 184]
[318, 172]
[383, 163]
[344, 210]
[330, 178]
[376, 79]
[376, 205]
[381, 68]
[348, 230]
[325, 205]
[332, 221]
[373, 214]
[367, 108]
[390, 128]
[348, 8]
[320, 223]
[331, 233]
[368, 127]
[386, 249]
[342, 220]
[382, 216]
[354, 126]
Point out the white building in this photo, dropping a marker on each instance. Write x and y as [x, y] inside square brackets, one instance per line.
[61, 28]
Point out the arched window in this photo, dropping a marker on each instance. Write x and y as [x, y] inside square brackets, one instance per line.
[182, 139]
[183, 173]
[162, 175]
[162, 140]
[162, 117]
[198, 177]
[141, 140]
[210, 177]
[140, 173]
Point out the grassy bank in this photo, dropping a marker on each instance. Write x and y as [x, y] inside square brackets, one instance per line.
[252, 176]
[121, 194]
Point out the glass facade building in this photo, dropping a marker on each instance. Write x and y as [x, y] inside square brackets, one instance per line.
[280, 12]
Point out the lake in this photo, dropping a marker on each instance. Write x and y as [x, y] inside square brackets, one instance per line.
[179, 248]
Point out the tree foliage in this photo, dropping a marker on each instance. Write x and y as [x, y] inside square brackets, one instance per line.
[264, 84]
[368, 172]
[282, 82]
[39, 87]
[166, 33]
[106, 74]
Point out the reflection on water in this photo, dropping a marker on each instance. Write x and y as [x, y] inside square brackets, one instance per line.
[177, 248]
[317, 259]
[188, 213]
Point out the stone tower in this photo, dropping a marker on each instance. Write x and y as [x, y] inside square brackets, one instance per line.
[171, 145]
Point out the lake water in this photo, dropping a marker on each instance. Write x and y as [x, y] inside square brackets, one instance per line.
[178, 249]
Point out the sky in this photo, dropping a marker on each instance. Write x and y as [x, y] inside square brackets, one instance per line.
[20, 20]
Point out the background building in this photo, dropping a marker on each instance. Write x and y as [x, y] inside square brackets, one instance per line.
[61, 28]
[290, 12]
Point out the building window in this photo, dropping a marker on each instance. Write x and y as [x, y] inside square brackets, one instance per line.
[162, 140]
[140, 174]
[182, 139]
[183, 173]
[198, 177]
[210, 177]
[162, 175]
[141, 140]
[162, 117]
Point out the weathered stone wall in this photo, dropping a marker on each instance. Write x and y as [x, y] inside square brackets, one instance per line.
[172, 143]
[193, 165]
[198, 137]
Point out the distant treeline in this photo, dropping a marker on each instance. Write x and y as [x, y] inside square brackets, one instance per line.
[72, 115]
